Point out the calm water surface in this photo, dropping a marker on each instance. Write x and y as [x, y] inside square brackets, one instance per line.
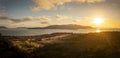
[33, 32]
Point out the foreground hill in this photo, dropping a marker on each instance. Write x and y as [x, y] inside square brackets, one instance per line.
[67, 45]
[7, 50]
[70, 26]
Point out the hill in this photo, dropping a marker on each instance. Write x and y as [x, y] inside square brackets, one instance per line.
[70, 26]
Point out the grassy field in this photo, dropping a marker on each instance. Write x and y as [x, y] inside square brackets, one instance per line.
[62, 45]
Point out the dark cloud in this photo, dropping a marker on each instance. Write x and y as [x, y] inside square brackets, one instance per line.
[4, 18]
[12, 19]
[44, 22]
[42, 19]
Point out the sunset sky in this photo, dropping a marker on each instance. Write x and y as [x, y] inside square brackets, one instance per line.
[40, 13]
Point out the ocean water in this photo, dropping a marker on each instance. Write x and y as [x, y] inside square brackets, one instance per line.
[34, 32]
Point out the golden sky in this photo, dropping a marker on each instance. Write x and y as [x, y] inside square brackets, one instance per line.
[40, 13]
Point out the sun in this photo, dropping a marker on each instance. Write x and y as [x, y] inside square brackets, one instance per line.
[98, 21]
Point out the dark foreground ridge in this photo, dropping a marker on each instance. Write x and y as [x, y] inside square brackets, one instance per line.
[62, 45]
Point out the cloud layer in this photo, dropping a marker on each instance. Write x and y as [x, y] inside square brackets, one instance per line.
[29, 18]
[50, 4]
[28, 21]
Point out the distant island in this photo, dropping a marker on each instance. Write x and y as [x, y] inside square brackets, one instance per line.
[69, 26]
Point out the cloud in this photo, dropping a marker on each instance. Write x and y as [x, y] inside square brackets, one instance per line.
[28, 21]
[59, 17]
[78, 19]
[47, 4]
[89, 1]
[3, 18]
[50, 4]
[45, 22]
[44, 18]
[12, 19]
[29, 18]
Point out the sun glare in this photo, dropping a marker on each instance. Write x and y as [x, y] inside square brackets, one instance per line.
[98, 21]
